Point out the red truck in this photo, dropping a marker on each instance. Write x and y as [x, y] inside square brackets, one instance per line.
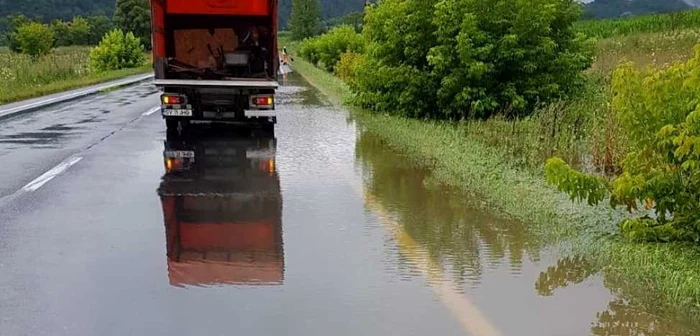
[222, 207]
[216, 61]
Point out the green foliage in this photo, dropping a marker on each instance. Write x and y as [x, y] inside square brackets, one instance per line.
[331, 11]
[76, 32]
[354, 19]
[396, 75]
[49, 10]
[65, 68]
[660, 113]
[591, 188]
[327, 48]
[346, 68]
[15, 22]
[117, 51]
[134, 16]
[100, 25]
[34, 39]
[639, 24]
[461, 59]
[305, 19]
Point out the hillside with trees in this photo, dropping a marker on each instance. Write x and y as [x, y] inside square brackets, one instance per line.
[49, 10]
[617, 8]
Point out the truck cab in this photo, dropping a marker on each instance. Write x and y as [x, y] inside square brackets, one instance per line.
[216, 61]
[222, 208]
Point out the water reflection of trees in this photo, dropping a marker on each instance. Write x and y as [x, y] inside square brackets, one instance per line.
[568, 271]
[455, 235]
[623, 317]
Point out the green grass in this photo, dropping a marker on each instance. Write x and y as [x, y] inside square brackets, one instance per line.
[459, 156]
[63, 69]
[652, 23]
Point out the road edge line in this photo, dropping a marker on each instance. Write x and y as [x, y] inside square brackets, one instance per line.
[31, 107]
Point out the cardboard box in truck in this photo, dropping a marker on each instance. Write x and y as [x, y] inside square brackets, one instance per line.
[216, 61]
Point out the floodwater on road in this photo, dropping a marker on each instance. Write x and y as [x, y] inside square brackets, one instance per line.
[314, 229]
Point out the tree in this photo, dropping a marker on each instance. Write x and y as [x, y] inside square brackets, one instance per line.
[35, 39]
[61, 31]
[117, 51]
[80, 31]
[306, 19]
[134, 16]
[466, 59]
[100, 26]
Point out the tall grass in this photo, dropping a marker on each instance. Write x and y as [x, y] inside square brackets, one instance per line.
[22, 77]
[652, 23]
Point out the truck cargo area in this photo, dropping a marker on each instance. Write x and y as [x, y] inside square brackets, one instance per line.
[216, 60]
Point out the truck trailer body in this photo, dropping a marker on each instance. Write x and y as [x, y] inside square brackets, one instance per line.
[216, 60]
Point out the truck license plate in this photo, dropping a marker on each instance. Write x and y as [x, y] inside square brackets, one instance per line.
[177, 113]
[179, 154]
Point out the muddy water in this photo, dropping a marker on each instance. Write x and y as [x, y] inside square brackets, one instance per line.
[317, 229]
[495, 262]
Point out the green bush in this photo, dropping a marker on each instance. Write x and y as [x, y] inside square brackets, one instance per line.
[472, 58]
[346, 68]
[660, 114]
[34, 39]
[117, 51]
[396, 75]
[14, 23]
[327, 48]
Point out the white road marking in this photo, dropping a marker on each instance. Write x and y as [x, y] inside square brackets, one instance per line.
[49, 175]
[151, 111]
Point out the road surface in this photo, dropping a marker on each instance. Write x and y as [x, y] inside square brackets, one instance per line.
[107, 227]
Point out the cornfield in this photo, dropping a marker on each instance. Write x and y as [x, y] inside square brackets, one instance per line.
[640, 24]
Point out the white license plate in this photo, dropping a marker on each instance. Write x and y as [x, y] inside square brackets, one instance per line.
[177, 113]
[179, 154]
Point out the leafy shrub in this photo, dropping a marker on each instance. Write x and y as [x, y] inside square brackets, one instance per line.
[346, 67]
[327, 48]
[117, 51]
[15, 22]
[660, 113]
[475, 58]
[34, 39]
[309, 50]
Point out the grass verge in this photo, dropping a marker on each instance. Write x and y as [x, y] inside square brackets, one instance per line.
[661, 273]
[64, 69]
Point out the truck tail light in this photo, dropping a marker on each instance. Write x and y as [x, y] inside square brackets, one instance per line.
[169, 99]
[172, 164]
[263, 101]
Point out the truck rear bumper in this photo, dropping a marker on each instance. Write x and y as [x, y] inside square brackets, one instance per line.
[260, 113]
[239, 83]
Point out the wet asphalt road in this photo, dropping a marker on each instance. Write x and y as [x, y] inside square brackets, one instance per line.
[315, 229]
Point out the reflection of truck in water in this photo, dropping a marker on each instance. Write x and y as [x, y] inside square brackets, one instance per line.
[222, 208]
[215, 60]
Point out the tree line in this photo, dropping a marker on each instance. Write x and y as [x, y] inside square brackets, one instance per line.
[37, 37]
